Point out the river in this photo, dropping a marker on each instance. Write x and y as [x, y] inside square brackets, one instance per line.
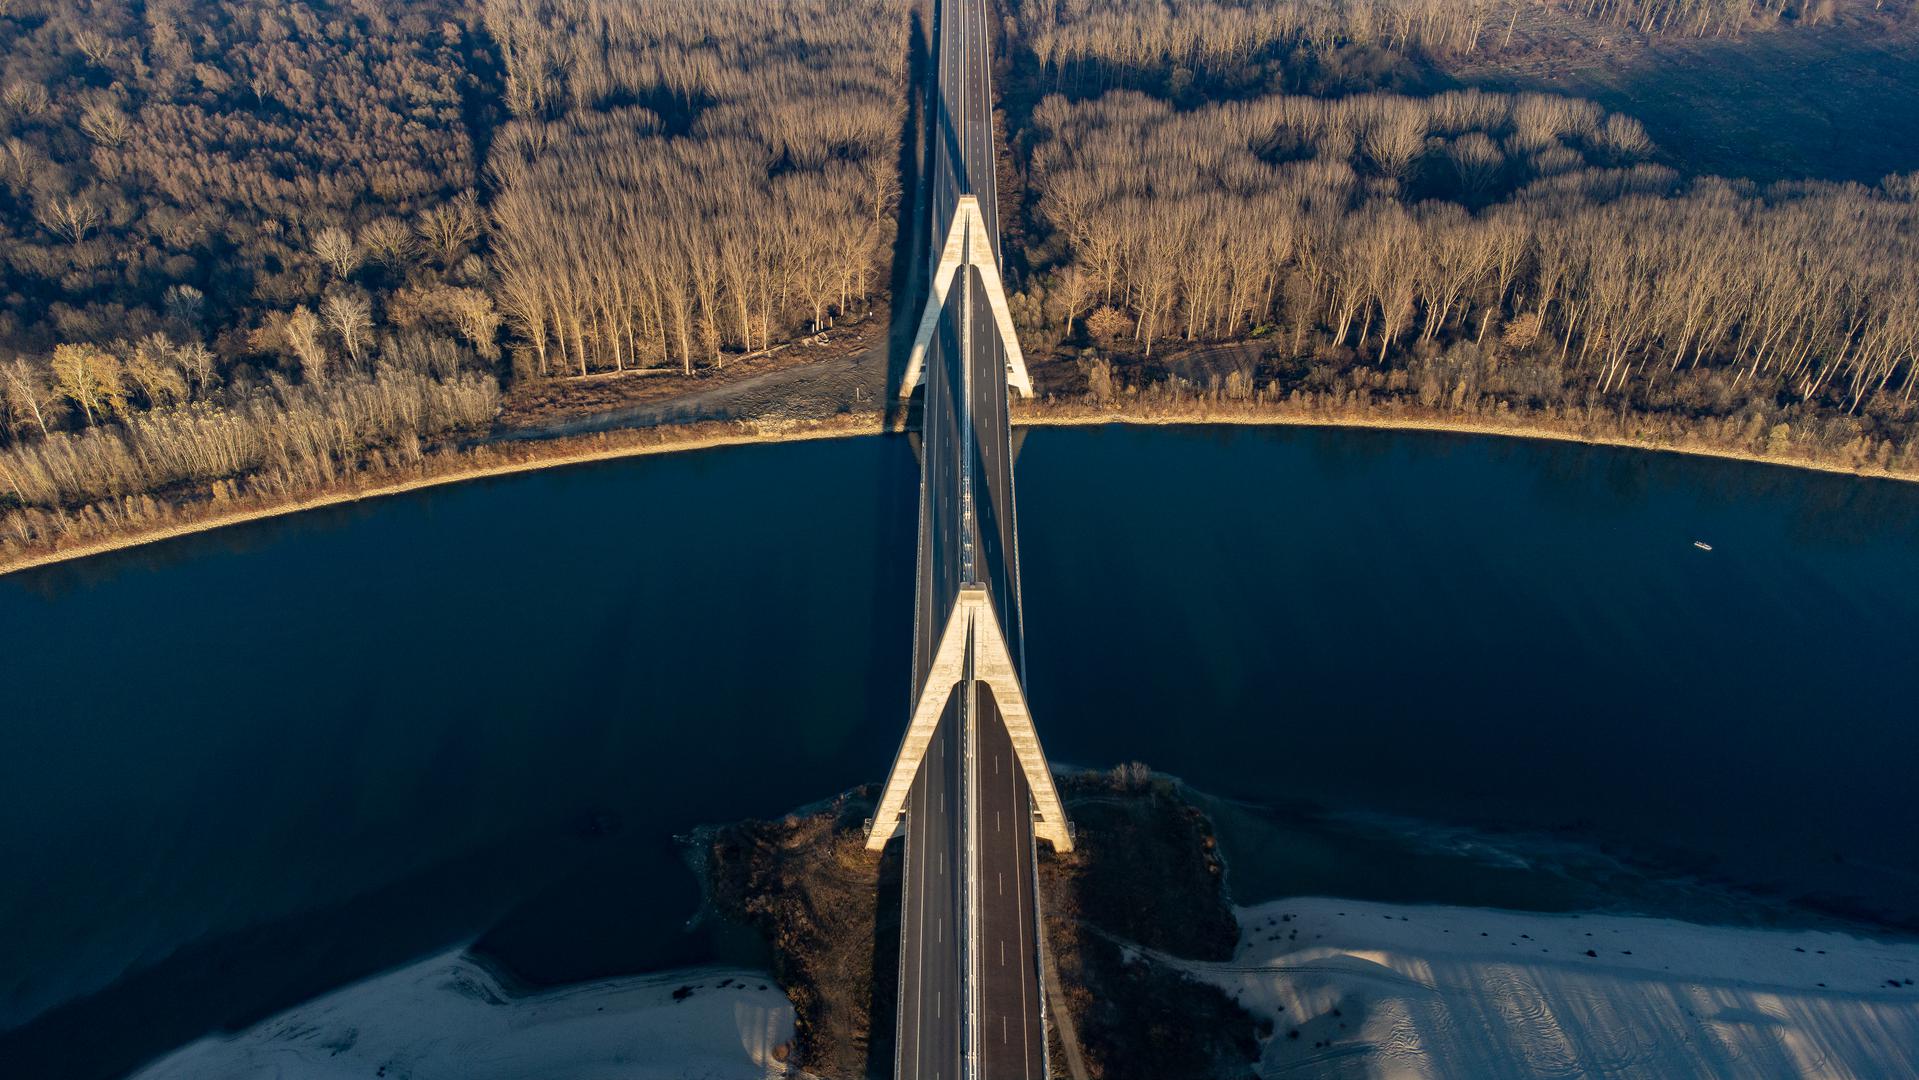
[241, 768]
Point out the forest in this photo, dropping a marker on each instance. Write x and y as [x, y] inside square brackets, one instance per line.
[1233, 36]
[232, 233]
[250, 247]
[1390, 225]
[1460, 252]
[683, 180]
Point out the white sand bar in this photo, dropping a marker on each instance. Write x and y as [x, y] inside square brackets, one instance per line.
[1394, 990]
[449, 1019]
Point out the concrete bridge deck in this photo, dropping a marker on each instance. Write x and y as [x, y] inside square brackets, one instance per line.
[970, 784]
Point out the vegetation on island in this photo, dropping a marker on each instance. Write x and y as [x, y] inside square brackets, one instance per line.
[829, 911]
[1146, 881]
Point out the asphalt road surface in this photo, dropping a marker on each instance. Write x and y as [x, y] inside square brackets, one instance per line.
[932, 1014]
[1012, 1034]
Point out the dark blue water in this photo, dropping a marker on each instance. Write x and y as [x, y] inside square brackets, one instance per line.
[1495, 632]
[242, 768]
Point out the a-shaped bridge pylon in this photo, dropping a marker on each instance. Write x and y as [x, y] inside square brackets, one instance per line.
[973, 634]
[967, 245]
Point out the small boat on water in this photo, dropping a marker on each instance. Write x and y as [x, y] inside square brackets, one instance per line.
[1702, 545]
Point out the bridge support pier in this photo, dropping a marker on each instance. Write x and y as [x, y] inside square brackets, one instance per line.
[967, 246]
[973, 629]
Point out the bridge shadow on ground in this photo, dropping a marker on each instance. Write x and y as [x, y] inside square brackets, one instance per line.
[908, 284]
[883, 1002]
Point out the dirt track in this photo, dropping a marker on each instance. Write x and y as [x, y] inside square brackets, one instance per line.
[808, 391]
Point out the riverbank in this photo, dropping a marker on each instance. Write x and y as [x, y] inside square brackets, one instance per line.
[1200, 411]
[1156, 976]
[137, 520]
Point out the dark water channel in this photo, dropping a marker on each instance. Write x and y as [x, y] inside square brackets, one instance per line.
[240, 769]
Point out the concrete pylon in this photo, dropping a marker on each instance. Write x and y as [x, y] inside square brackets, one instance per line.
[973, 627]
[967, 245]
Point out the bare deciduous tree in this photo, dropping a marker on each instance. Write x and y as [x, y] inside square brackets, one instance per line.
[350, 314]
[473, 315]
[450, 228]
[388, 242]
[89, 377]
[151, 369]
[336, 248]
[302, 331]
[185, 303]
[71, 217]
[31, 398]
[196, 363]
[104, 123]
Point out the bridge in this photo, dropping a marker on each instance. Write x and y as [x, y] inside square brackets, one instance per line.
[970, 790]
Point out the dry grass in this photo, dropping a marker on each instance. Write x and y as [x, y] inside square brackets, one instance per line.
[550, 403]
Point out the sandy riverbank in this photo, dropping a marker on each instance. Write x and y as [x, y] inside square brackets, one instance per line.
[449, 1018]
[1356, 989]
[1391, 422]
[506, 458]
